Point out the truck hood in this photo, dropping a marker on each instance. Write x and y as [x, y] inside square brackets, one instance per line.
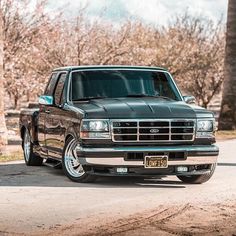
[109, 108]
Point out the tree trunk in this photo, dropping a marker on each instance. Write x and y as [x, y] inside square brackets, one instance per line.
[15, 101]
[3, 129]
[228, 107]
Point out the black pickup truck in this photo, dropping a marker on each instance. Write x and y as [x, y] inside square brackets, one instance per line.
[119, 120]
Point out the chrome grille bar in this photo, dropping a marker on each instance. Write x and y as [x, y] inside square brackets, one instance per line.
[135, 130]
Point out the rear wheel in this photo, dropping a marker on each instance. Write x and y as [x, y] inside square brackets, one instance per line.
[71, 165]
[198, 179]
[31, 159]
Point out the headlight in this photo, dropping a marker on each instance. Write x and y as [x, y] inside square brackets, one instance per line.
[205, 128]
[95, 129]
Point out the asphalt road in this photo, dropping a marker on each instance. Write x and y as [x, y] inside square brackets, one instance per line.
[41, 200]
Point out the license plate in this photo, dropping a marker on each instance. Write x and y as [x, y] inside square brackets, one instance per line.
[156, 162]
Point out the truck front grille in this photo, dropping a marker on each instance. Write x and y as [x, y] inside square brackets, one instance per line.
[153, 130]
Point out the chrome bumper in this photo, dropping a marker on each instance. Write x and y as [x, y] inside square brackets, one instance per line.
[119, 161]
[196, 155]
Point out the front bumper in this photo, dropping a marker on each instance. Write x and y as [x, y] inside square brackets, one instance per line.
[119, 161]
[109, 158]
[116, 156]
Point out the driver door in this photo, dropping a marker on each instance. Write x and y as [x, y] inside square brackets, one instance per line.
[54, 122]
[43, 113]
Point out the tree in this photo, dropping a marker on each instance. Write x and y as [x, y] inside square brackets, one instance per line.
[21, 25]
[193, 50]
[36, 41]
[228, 107]
[3, 129]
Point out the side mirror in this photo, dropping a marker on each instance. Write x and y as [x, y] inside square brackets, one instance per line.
[46, 100]
[189, 99]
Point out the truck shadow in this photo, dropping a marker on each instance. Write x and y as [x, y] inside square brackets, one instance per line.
[226, 164]
[21, 175]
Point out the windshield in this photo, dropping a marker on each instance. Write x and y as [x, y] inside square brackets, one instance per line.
[121, 83]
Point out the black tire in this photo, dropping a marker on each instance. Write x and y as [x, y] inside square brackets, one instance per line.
[31, 159]
[198, 179]
[71, 174]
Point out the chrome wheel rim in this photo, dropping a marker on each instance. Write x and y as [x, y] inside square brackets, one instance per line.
[27, 146]
[74, 168]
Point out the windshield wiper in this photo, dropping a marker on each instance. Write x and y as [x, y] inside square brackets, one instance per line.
[89, 98]
[146, 95]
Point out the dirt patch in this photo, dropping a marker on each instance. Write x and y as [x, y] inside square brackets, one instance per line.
[186, 219]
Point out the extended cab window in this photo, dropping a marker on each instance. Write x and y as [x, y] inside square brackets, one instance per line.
[122, 83]
[58, 94]
[51, 85]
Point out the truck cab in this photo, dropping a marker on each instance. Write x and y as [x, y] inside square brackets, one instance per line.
[119, 120]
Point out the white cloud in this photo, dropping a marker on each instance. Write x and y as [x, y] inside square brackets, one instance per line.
[157, 12]
[161, 11]
[151, 11]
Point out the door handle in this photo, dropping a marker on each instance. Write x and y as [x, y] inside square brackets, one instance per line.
[47, 111]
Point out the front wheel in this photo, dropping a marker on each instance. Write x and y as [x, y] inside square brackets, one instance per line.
[198, 179]
[71, 166]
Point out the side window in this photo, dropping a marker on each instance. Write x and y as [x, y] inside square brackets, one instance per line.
[59, 89]
[51, 85]
[164, 86]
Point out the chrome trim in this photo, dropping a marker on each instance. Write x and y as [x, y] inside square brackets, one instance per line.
[182, 148]
[27, 146]
[71, 162]
[119, 161]
[138, 127]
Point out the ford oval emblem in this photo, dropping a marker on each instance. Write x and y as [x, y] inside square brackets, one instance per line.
[154, 131]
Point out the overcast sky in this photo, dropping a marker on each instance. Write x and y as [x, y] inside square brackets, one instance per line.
[158, 12]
